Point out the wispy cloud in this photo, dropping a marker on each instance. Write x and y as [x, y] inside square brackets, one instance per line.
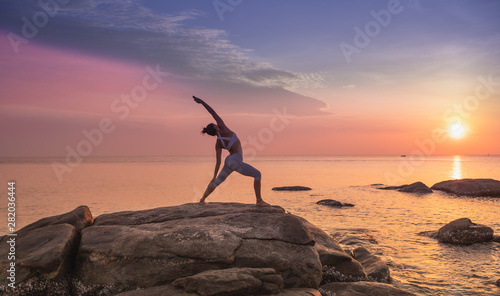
[129, 30]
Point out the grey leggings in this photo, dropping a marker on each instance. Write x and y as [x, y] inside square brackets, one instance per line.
[234, 162]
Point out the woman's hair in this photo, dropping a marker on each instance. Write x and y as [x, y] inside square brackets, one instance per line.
[210, 129]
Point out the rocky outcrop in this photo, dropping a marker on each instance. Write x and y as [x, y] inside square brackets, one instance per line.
[470, 187]
[145, 248]
[462, 232]
[375, 268]
[45, 250]
[362, 288]
[214, 249]
[333, 203]
[292, 188]
[417, 187]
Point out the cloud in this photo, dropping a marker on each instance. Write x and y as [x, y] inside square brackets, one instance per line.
[129, 30]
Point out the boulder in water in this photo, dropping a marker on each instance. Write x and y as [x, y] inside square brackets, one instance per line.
[417, 187]
[464, 232]
[470, 187]
[292, 188]
[333, 203]
[375, 268]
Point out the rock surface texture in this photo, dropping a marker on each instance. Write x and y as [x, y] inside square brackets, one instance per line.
[470, 187]
[464, 232]
[213, 249]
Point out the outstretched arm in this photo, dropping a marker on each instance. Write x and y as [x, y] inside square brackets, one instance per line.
[217, 118]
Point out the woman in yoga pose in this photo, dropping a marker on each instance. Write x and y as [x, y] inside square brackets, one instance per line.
[227, 139]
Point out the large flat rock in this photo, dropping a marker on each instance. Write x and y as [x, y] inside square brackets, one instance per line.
[470, 187]
[158, 246]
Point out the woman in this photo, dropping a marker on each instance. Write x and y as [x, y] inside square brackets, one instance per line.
[227, 139]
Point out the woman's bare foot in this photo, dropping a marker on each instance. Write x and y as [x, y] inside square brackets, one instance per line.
[262, 203]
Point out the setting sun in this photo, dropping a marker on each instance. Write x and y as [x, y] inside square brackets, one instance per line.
[457, 131]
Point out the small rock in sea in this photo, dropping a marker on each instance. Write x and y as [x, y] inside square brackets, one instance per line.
[498, 283]
[417, 187]
[464, 232]
[292, 188]
[470, 187]
[333, 203]
[496, 238]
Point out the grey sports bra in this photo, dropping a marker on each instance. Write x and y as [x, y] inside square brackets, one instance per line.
[233, 139]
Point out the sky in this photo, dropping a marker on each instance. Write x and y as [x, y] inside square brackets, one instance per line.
[290, 77]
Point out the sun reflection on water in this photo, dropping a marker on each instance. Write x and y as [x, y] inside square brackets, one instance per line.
[456, 170]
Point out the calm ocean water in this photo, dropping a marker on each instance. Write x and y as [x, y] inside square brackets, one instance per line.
[386, 221]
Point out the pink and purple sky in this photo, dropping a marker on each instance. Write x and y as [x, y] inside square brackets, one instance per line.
[416, 67]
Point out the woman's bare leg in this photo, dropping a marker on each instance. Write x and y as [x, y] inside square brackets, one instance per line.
[210, 188]
[260, 201]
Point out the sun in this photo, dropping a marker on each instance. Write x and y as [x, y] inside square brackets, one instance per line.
[457, 131]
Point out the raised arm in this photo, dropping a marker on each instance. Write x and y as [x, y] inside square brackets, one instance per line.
[217, 118]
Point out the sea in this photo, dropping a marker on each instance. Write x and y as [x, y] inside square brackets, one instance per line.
[385, 222]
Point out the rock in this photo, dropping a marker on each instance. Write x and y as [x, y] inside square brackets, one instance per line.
[158, 291]
[470, 187]
[292, 188]
[498, 283]
[375, 268]
[299, 292]
[362, 288]
[45, 249]
[185, 211]
[41, 253]
[417, 187]
[156, 247]
[333, 203]
[232, 281]
[80, 218]
[464, 232]
[337, 264]
[172, 291]
[496, 238]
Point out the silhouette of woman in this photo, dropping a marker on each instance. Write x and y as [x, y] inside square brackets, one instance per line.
[227, 139]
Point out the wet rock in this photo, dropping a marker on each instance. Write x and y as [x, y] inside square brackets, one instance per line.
[362, 288]
[154, 247]
[464, 232]
[417, 187]
[498, 283]
[337, 264]
[496, 238]
[470, 187]
[292, 188]
[333, 203]
[232, 281]
[352, 240]
[375, 268]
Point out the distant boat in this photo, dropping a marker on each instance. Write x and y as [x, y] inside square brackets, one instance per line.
[403, 155]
